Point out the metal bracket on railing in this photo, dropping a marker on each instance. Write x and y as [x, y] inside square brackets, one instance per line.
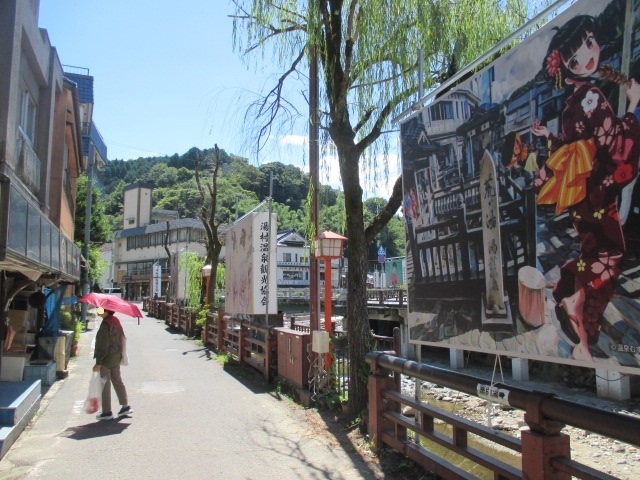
[534, 417]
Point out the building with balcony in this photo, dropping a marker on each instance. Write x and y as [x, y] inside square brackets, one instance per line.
[94, 148]
[41, 156]
[292, 252]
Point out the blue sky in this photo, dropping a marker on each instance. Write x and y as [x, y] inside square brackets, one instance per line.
[166, 79]
[165, 75]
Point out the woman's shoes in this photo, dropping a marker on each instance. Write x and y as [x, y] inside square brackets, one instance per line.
[565, 326]
[125, 411]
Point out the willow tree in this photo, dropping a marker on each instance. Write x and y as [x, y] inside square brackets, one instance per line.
[367, 54]
[208, 189]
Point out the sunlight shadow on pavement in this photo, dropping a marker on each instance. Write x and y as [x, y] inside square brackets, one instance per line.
[206, 353]
[95, 429]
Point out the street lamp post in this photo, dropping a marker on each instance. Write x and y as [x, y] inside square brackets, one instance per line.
[328, 246]
[206, 273]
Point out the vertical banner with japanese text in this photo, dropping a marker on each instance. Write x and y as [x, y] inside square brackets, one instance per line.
[251, 285]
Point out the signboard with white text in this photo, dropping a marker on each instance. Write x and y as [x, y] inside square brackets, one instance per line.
[251, 283]
[157, 281]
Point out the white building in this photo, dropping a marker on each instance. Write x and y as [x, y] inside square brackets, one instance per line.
[292, 254]
[150, 235]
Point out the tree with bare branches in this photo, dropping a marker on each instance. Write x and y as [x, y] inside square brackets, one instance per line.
[208, 189]
[368, 57]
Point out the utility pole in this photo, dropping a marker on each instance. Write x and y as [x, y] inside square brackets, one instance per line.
[314, 161]
[87, 230]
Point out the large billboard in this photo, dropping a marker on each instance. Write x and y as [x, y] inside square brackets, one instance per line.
[251, 283]
[520, 195]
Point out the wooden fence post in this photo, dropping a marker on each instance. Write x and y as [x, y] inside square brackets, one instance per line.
[242, 341]
[207, 323]
[216, 330]
[271, 355]
[222, 329]
[379, 381]
[542, 442]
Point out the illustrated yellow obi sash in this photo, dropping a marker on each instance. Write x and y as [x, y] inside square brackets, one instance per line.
[571, 165]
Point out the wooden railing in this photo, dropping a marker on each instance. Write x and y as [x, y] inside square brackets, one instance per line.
[186, 321]
[250, 343]
[387, 296]
[544, 450]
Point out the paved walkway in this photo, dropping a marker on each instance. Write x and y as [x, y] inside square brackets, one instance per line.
[192, 420]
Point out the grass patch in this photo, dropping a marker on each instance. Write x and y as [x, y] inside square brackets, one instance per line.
[223, 358]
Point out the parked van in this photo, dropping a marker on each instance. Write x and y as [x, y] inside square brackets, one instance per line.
[117, 291]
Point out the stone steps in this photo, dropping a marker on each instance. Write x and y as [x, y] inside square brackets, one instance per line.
[19, 402]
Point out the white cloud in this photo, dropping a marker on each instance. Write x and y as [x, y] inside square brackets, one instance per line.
[293, 150]
[380, 183]
[330, 172]
[375, 182]
[299, 140]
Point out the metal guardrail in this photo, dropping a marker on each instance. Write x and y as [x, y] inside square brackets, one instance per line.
[545, 450]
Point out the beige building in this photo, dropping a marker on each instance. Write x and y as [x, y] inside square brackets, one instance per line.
[141, 244]
[151, 237]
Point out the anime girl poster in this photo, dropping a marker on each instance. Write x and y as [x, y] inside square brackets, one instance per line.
[552, 129]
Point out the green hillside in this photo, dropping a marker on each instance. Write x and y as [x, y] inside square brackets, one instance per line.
[242, 186]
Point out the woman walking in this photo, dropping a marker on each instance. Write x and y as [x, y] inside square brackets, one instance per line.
[110, 342]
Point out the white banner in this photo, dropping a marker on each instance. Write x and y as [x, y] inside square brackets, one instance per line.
[251, 284]
[157, 281]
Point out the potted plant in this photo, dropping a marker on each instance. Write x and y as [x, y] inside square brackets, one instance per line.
[77, 330]
[200, 322]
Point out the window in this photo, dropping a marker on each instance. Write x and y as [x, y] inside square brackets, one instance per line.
[442, 111]
[198, 235]
[289, 275]
[28, 112]
[286, 257]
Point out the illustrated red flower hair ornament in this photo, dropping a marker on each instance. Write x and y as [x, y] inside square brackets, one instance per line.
[553, 67]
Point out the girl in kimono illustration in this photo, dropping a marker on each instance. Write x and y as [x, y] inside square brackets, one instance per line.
[593, 158]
